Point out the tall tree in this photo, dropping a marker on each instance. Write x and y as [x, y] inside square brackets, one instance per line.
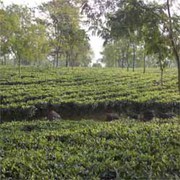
[22, 35]
[174, 43]
[130, 16]
[4, 47]
[117, 53]
[64, 28]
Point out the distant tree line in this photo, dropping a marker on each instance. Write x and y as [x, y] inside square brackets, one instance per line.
[137, 33]
[48, 34]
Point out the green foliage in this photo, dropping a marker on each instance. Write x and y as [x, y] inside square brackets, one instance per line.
[120, 52]
[69, 43]
[141, 22]
[22, 36]
[84, 86]
[89, 150]
[55, 35]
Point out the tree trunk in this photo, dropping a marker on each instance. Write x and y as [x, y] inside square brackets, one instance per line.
[134, 56]
[14, 62]
[122, 65]
[3, 62]
[19, 65]
[123, 57]
[144, 64]
[66, 63]
[161, 80]
[161, 68]
[175, 51]
[54, 62]
[127, 63]
[67, 60]
[57, 59]
[127, 57]
[178, 61]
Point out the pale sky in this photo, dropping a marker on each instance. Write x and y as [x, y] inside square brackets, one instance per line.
[96, 42]
[26, 2]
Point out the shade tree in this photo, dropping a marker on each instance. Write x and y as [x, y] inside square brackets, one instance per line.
[22, 36]
[136, 19]
[65, 34]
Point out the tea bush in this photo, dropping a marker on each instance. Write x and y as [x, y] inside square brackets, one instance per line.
[84, 87]
[87, 149]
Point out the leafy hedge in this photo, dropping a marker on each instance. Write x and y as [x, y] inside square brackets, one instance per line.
[83, 87]
[90, 150]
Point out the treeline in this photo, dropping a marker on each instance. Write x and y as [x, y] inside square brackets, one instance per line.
[48, 34]
[138, 33]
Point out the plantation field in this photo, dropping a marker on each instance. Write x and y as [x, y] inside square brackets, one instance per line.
[90, 150]
[80, 90]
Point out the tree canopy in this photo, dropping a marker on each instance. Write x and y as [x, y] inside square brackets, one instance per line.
[150, 25]
[133, 30]
[51, 31]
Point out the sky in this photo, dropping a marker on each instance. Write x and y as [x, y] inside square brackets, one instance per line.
[95, 42]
